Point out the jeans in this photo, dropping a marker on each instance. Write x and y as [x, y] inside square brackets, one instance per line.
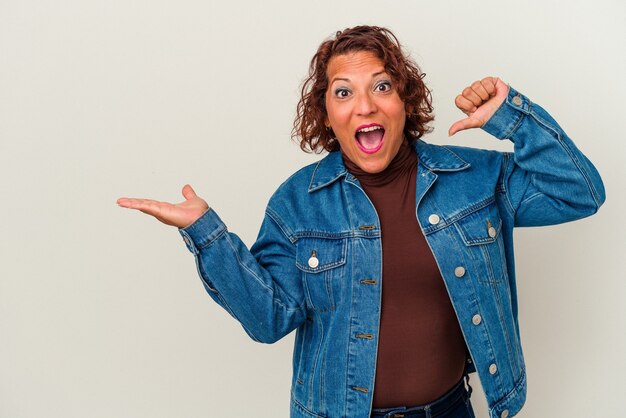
[454, 404]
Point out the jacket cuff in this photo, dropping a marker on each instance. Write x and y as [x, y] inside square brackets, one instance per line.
[206, 229]
[509, 115]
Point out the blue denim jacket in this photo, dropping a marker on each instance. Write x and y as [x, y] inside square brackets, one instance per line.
[316, 265]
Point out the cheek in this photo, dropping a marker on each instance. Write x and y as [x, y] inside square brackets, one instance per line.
[400, 115]
[337, 118]
[331, 113]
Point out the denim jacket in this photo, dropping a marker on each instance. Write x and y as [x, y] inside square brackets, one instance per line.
[317, 263]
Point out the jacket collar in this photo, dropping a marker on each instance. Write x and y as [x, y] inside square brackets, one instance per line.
[433, 157]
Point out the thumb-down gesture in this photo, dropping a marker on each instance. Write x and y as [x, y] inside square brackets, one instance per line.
[479, 102]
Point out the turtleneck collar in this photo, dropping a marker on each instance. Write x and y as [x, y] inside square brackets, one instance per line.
[403, 162]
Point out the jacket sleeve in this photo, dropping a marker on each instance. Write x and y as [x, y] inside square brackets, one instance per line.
[260, 287]
[546, 180]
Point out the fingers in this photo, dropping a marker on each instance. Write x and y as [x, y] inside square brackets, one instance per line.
[179, 215]
[473, 96]
[479, 89]
[188, 192]
[125, 202]
[464, 104]
[463, 124]
[151, 207]
[129, 202]
[489, 84]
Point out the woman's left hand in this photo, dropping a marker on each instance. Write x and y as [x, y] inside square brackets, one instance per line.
[479, 102]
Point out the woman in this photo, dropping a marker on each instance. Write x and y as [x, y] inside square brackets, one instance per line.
[433, 224]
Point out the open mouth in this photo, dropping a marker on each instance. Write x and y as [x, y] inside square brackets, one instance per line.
[369, 138]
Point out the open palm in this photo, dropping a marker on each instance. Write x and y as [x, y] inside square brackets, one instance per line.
[176, 214]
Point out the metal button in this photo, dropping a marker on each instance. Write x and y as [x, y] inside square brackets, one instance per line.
[459, 271]
[476, 319]
[517, 100]
[492, 232]
[313, 262]
[493, 368]
[433, 219]
[505, 414]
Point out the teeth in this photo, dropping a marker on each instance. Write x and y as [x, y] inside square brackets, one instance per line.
[370, 129]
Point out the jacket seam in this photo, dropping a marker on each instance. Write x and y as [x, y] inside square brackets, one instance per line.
[460, 215]
[517, 123]
[512, 392]
[315, 363]
[462, 167]
[313, 188]
[223, 230]
[281, 225]
[313, 174]
[259, 280]
[230, 311]
[508, 157]
[565, 146]
[303, 408]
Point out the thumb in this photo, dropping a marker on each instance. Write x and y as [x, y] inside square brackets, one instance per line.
[188, 192]
[463, 124]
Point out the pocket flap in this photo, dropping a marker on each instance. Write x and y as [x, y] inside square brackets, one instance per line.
[318, 254]
[480, 227]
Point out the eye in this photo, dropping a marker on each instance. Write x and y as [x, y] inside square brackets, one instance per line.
[383, 86]
[342, 92]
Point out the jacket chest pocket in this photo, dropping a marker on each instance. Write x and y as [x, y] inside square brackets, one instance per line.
[322, 264]
[481, 233]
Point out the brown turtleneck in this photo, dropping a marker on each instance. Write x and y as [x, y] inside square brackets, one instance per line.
[421, 351]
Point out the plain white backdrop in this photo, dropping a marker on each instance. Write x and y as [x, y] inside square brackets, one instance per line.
[101, 310]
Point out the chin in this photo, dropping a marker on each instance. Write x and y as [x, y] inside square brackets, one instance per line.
[374, 167]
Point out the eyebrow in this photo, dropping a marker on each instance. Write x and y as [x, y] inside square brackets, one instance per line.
[348, 80]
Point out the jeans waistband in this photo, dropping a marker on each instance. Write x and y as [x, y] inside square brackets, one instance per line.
[452, 398]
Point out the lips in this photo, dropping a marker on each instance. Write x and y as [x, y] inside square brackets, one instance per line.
[370, 138]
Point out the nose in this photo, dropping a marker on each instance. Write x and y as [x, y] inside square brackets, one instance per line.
[366, 105]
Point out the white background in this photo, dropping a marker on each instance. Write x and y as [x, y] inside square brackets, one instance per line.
[101, 310]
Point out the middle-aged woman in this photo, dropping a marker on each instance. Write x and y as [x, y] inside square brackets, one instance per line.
[391, 257]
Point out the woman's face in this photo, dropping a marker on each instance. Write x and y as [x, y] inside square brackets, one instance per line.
[364, 110]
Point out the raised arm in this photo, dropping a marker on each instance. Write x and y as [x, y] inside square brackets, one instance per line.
[546, 180]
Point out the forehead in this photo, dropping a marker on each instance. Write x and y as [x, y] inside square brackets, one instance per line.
[354, 62]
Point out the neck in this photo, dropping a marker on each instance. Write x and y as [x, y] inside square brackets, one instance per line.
[404, 160]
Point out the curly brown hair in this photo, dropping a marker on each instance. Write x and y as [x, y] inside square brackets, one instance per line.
[309, 125]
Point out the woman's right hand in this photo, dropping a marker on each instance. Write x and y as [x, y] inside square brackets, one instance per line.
[179, 215]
